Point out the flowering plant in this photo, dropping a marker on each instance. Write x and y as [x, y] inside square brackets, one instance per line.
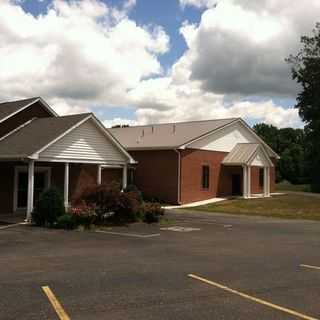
[84, 214]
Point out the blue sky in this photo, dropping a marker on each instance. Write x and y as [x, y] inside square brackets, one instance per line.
[135, 66]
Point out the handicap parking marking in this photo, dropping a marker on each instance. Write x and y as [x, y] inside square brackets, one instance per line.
[55, 304]
[309, 266]
[252, 298]
[180, 229]
[126, 234]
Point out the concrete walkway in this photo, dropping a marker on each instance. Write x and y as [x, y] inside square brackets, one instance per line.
[195, 204]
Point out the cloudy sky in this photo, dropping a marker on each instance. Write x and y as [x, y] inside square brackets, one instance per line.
[142, 61]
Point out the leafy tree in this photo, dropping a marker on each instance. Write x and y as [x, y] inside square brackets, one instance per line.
[290, 144]
[306, 71]
[269, 134]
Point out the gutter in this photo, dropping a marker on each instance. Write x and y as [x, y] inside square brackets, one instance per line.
[179, 175]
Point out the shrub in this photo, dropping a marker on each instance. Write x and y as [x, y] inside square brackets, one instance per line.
[84, 214]
[111, 203]
[152, 212]
[133, 188]
[48, 208]
[66, 221]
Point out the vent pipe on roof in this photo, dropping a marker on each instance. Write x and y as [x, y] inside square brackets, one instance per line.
[174, 129]
[142, 135]
[152, 129]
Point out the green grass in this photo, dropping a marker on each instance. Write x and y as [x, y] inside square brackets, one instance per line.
[284, 206]
[287, 186]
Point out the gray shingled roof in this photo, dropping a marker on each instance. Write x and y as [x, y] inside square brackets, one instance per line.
[167, 135]
[8, 108]
[241, 154]
[36, 134]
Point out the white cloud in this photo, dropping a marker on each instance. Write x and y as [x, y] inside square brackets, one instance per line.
[198, 3]
[79, 51]
[237, 51]
[81, 54]
[119, 121]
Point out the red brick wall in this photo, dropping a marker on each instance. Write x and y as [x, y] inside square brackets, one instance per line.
[36, 110]
[110, 175]
[192, 161]
[81, 176]
[156, 174]
[255, 186]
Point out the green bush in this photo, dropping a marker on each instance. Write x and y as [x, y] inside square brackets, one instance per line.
[66, 221]
[152, 212]
[48, 208]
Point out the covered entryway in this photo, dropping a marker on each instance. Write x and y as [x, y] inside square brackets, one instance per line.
[68, 152]
[255, 164]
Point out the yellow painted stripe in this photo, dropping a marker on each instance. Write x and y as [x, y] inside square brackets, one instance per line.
[55, 303]
[246, 296]
[310, 267]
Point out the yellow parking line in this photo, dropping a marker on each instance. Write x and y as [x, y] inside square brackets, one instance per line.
[310, 267]
[246, 296]
[55, 303]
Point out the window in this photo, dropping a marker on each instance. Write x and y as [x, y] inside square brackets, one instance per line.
[205, 177]
[261, 177]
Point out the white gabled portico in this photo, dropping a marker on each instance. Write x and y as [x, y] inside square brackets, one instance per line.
[87, 143]
[249, 155]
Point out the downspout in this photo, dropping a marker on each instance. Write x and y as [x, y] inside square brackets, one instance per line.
[179, 175]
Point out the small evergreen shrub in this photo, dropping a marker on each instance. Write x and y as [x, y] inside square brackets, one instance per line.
[48, 208]
[152, 212]
[66, 221]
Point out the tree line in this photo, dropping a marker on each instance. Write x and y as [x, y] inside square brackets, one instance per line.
[293, 148]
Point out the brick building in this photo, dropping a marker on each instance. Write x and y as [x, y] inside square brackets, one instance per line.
[198, 160]
[39, 149]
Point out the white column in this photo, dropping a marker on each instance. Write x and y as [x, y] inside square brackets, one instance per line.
[99, 179]
[30, 189]
[66, 185]
[124, 176]
[244, 181]
[249, 182]
[266, 181]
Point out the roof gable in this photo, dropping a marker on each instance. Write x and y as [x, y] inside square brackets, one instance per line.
[36, 134]
[85, 143]
[9, 109]
[226, 138]
[252, 154]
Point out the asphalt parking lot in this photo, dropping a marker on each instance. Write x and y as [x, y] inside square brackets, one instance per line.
[201, 267]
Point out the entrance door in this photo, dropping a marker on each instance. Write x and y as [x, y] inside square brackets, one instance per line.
[41, 182]
[236, 185]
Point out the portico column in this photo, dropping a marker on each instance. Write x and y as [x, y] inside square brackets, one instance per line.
[99, 179]
[249, 182]
[266, 180]
[124, 176]
[244, 181]
[66, 185]
[30, 189]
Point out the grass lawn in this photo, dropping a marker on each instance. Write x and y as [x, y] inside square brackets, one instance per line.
[287, 186]
[284, 206]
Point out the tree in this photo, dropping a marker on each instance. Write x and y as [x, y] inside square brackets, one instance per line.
[290, 144]
[306, 71]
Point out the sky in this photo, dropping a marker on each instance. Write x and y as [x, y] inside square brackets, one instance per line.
[150, 61]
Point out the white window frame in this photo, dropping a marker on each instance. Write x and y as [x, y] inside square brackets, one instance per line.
[17, 170]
